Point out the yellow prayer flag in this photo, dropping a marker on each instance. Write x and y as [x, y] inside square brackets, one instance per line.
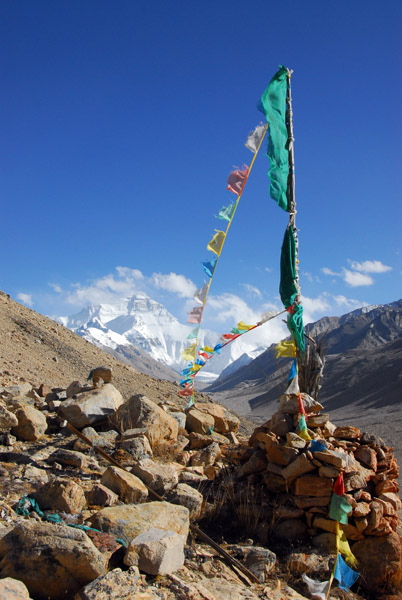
[344, 548]
[215, 245]
[286, 348]
[188, 353]
[196, 368]
[243, 326]
[207, 349]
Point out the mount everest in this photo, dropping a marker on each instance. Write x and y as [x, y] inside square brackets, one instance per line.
[141, 331]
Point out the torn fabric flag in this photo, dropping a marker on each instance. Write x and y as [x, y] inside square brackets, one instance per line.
[207, 349]
[194, 334]
[226, 212]
[293, 370]
[339, 485]
[318, 589]
[254, 138]
[237, 179]
[215, 245]
[201, 294]
[188, 391]
[243, 327]
[339, 509]
[188, 353]
[195, 315]
[273, 105]
[285, 348]
[287, 286]
[296, 327]
[209, 266]
[345, 576]
[344, 548]
[293, 387]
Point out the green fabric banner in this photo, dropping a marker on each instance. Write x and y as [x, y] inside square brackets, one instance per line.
[273, 105]
[339, 509]
[287, 286]
[296, 327]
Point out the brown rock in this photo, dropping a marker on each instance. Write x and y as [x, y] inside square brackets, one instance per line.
[347, 433]
[312, 501]
[11, 589]
[126, 485]
[100, 495]
[256, 463]
[367, 456]
[199, 422]
[380, 562]
[274, 483]
[61, 495]
[290, 529]
[392, 499]
[117, 584]
[281, 455]
[32, 423]
[281, 423]
[331, 457]
[351, 532]
[387, 485]
[318, 420]
[289, 403]
[312, 485]
[51, 560]
[299, 466]
[362, 509]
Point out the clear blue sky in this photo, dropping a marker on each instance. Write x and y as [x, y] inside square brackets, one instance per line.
[120, 122]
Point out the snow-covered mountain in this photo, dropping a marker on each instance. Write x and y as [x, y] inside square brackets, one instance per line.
[141, 322]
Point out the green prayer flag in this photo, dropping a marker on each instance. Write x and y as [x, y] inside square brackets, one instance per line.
[296, 327]
[273, 104]
[287, 286]
[339, 509]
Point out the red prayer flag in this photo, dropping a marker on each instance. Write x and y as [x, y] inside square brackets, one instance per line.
[195, 315]
[339, 487]
[236, 180]
[188, 391]
[301, 406]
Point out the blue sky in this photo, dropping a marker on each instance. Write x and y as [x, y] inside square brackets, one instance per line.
[120, 122]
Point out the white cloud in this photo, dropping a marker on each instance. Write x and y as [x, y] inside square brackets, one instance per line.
[177, 284]
[315, 308]
[252, 290]
[25, 298]
[56, 287]
[327, 271]
[308, 276]
[369, 266]
[268, 269]
[355, 279]
[352, 303]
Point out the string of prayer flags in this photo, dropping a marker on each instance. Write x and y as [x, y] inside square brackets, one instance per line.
[344, 548]
[201, 294]
[209, 266]
[215, 245]
[226, 212]
[273, 105]
[188, 390]
[243, 327]
[254, 138]
[285, 348]
[345, 576]
[339, 509]
[195, 314]
[237, 179]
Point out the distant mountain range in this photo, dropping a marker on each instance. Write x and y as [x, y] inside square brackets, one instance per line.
[142, 332]
[363, 366]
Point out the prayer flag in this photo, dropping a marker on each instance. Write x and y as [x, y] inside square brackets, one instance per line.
[209, 266]
[207, 349]
[186, 370]
[344, 548]
[200, 362]
[194, 334]
[195, 315]
[302, 429]
[218, 348]
[204, 355]
[188, 353]
[286, 348]
[318, 589]
[293, 387]
[226, 212]
[254, 138]
[287, 286]
[201, 294]
[243, 326]
[293, 370]
[184, 381]
[236, 330]
[339, 487]
[188, 391]
[339, 509]
[296, 327]
[273, 105]
[229, 336]
[237, 179]
[191, 402]
[317, 446]
[344, 574]
[215, 245]
[267, 316]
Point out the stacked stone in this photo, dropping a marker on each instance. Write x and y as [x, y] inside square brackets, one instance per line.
[303, 473]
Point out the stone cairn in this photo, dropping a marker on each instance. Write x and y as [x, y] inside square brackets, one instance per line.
[303, 479]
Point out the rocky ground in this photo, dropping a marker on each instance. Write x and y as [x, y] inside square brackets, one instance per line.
[173, 503]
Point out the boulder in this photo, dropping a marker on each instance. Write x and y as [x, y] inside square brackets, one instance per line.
[12, 589]
[136, 444]
[156, 552]
[312, 485]
[140, 412]
[92, 406]
[68, 458]
[187, 496]
[127, 486]
[100, 495]
[289, 403]
[7, 419]
[199, 422]
[299, 466]
[160, 477]
[51, 560]
[32, 423]
[223, 420]
[61, 495]
[117, 584]
[380, 562]
[207, 456]
[129, 520]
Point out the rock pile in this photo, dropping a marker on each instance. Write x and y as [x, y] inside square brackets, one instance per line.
[302, 475]
[75, 524]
